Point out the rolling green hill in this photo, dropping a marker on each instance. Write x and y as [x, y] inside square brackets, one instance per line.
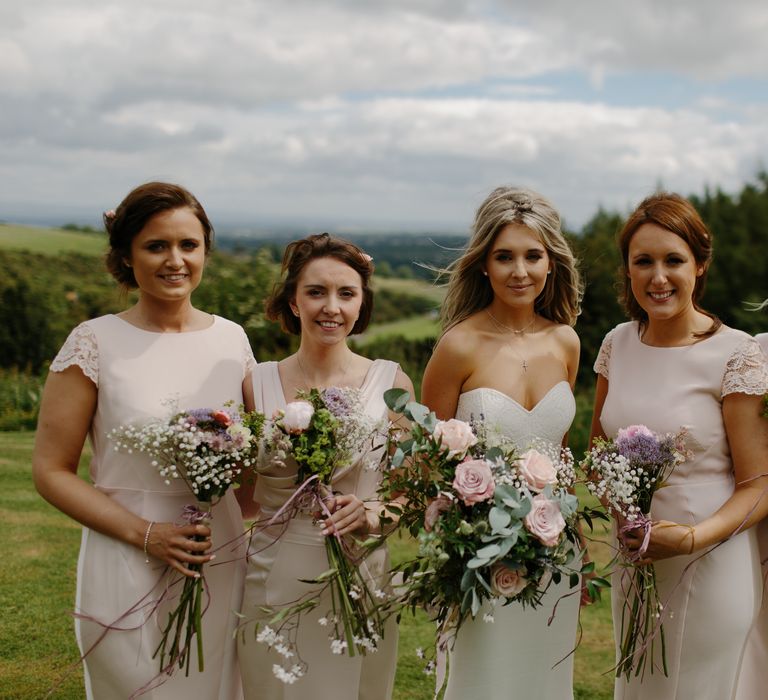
[50, 241]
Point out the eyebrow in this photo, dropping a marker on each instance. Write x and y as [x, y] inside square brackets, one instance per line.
[310, 285]
[530, 250]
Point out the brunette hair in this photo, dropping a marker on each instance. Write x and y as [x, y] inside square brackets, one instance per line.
[133, 213]
[296, 257]
[677, 215]
[470, 291]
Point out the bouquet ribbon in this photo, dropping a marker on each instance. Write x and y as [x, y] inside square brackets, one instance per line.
[644, 523]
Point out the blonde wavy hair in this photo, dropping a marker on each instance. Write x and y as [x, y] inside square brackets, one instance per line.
[470, 291]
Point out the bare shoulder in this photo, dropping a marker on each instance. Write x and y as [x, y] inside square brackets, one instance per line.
[460, 342]
[403, 381]
[567, 336]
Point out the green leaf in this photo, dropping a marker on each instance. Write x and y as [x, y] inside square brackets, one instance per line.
[416, 412]
[467, 579]
[488, 552]
[588, 568]
[499, 519]
[398, 458]
[396, 399]
[475, 602]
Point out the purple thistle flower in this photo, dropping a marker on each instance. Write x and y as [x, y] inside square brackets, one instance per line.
[337, 401]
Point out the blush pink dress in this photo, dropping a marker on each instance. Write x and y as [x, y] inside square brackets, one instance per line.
[275, 568]
[712, 600]
[753, 680]
[136, 371]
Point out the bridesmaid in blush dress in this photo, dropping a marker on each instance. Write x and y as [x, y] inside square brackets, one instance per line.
[508, 356]
[677, 366]
[753, 679]
[324, 296]
[122, 369]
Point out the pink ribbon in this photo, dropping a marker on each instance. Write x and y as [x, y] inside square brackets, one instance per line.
[644, 523]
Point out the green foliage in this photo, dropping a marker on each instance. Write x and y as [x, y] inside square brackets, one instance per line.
[19, 399]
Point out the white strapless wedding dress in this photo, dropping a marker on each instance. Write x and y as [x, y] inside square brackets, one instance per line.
[516, 655]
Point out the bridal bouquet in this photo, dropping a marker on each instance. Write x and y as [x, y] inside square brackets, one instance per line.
[325, 431]
[206, 449]
[492, 523]
[624, 474]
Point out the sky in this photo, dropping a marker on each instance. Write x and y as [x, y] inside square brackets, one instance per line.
[363, 115]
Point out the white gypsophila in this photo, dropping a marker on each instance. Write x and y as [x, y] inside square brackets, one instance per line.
[338, 646]
[617, 483]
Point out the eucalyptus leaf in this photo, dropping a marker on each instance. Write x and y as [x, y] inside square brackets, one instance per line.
[477, 562]
[475, 602]
[468, 579]
[498, 518]
[396, 399]
[488, 552]
[416, 412]
[398, 458]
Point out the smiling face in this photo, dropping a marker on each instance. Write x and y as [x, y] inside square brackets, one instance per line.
[328, 299]
[662, 271]
[168, 255]
[517, 265]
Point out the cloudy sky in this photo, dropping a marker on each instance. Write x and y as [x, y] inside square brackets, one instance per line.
[376, 115]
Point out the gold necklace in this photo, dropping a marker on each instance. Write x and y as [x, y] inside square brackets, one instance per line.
[307, 383]
[500, 326]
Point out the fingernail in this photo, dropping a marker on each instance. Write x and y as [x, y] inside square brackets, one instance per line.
[197, 576]
[212, 557]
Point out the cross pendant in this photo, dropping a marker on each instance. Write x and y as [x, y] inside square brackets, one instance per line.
[525, 366]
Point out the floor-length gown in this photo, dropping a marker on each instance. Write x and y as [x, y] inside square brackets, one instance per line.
[712, 600]
[275, 567]
[516, 656]
[136, 373]
[753, 679]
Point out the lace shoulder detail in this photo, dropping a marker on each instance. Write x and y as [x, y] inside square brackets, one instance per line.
[79, 349]
[603, 361]
[746, 371]
[249, 361]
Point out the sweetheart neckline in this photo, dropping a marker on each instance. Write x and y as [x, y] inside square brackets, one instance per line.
[515, 401]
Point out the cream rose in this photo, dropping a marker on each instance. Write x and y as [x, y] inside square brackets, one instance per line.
[456, 435]
[506, 582]
[297, 415]
[473, 481]
[545, 521]
[537, 470]
[435, 507]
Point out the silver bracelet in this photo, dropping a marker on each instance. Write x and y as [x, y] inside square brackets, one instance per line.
[146, 540]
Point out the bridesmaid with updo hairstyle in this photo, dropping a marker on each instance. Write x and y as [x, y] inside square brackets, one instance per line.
[324, 296]
[122, 369]
[675, 365]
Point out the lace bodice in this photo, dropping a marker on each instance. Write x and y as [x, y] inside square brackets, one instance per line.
[745, 371]
[81, 349]
[548, 420]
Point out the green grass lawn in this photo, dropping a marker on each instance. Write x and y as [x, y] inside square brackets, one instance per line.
[37, 587]
[50, 240]
[414, 328]
[414, 287]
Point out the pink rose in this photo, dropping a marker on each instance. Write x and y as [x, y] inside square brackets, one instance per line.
[435, 507]
[506, 582]
[473, 481]
[456, 435]
[633, 431]
[297, 415]
[222, 418]
[545, 521]
[537, 470]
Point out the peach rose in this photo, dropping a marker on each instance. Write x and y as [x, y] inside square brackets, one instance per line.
[297, 415]
[435, 507]
[473, 481]
[222, 418]
[506, 582]
[537, 470]
[545, 521]
[456, 435]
